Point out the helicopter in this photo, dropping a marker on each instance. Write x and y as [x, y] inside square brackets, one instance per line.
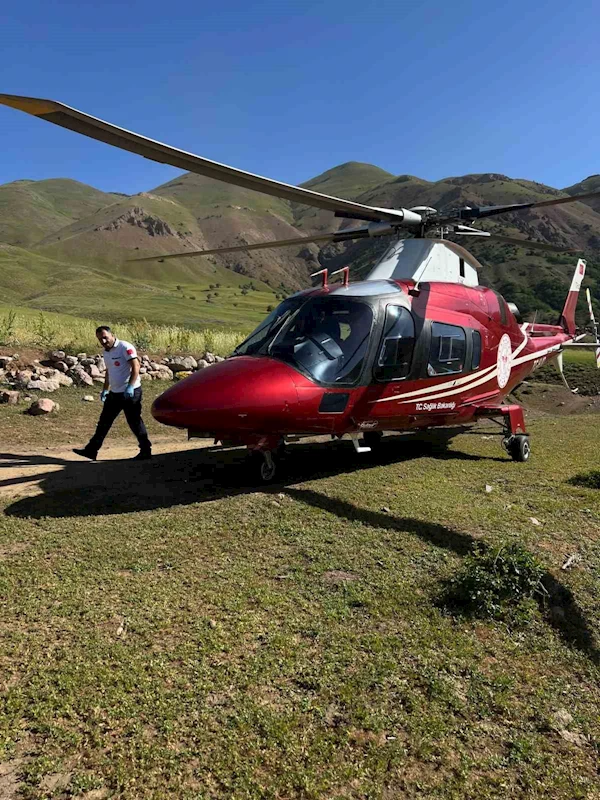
[418, 344]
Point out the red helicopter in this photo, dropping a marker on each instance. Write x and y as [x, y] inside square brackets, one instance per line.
[419, 344]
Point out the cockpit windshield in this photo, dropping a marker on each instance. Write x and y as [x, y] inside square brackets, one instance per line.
[264, 333]
[326, 338]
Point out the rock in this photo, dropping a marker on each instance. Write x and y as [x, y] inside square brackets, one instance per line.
[210, 357]
[534, 521]
[202, 364]
[145, 376]
[179, 376]
[43, 406]
[64, 380]
[71, 361]
[218, 359]
[488, 488]
[143, 370]
[88, 398]
[57, 355]
[92, 370]
[23, 377]
[85, 362]
[187, 363]
[61, 366]
[48, 372]
[81, 356]
[11, 398]
[5, 361]
[43, 385]
[80, 376]
[99, 379]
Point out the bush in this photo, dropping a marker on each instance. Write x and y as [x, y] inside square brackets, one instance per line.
[44, 333]
[496, 584]
[140, 331]
[8, 328]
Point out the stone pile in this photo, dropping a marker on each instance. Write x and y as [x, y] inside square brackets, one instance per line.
[60, 369]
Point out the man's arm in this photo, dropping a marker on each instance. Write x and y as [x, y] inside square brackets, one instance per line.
[134, 364]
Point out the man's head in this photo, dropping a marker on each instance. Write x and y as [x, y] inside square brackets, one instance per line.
[105, 336]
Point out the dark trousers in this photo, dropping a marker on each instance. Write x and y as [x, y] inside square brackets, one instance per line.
[113, 405]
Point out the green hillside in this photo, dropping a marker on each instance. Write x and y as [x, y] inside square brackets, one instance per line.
[30, 210]
[29, 279]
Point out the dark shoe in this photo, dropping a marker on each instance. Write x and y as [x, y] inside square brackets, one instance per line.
[143, 455]
[83, 451]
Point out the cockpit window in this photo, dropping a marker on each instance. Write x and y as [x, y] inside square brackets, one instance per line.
[327, 339]
[264, 333]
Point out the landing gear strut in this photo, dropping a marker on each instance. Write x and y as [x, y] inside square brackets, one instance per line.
[515, 440]
[266, 463]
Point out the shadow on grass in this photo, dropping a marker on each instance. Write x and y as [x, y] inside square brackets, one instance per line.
[560, 610]
[589, 480]
[82, 488]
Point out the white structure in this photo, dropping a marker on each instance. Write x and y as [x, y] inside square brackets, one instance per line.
[427, 260]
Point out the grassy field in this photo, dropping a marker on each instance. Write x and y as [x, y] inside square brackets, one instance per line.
[169, 630]
[25, 327]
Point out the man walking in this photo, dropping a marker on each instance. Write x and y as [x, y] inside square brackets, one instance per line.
[122, 392]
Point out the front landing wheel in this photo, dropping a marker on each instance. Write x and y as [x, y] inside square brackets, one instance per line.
[265, 465]
[518, 447]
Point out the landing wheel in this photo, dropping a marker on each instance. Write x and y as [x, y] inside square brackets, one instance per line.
[265, 465]
[518, 447]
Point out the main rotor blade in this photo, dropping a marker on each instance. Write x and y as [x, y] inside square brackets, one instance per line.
[512, 240]
[338, 236]
[95, 128]
[481, 212]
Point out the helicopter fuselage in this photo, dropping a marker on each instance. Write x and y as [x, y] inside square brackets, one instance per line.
[371, 356]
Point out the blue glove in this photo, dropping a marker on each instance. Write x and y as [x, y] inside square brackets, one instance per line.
[103, 395]
[129, 392]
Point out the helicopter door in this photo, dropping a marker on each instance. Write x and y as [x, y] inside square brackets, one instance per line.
[394, 359]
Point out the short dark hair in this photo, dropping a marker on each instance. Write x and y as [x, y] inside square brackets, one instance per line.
[103, 328]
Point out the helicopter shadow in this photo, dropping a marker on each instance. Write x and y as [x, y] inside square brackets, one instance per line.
[76, 488]
[563, 613]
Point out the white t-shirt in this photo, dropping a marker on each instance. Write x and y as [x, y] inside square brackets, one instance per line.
[118, 367]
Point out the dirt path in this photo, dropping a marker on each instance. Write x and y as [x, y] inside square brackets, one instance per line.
[25, 471]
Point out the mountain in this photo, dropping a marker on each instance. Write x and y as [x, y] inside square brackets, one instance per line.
[57, 226]
[29, 210]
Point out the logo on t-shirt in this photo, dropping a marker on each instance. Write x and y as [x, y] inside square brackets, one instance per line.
[130, 352]
[117, 363]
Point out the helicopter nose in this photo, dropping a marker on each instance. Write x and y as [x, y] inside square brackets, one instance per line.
[239, 393]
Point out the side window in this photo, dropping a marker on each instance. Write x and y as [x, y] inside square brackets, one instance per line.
[395, 354]
[447, 353]
[476, 357]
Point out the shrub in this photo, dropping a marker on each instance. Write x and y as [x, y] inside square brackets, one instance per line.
[140, 332]
[8, 328]
[44, 333]
[496, 584]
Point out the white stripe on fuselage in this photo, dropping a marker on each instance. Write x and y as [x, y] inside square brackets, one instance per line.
[447, 388]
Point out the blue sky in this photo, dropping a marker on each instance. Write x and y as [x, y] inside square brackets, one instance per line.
[290, 89]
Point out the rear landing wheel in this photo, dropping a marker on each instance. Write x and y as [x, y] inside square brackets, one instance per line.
[518, 447]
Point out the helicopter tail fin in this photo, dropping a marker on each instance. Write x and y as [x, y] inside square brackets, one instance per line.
[567, 317]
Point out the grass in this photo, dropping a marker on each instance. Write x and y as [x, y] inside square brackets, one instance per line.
[188, 635]
[24, 327]
[75, 422]
[34, 281]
